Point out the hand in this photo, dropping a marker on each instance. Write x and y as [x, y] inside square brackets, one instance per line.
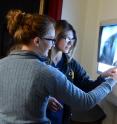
[54, 105]
[110, 73]
[114, 74]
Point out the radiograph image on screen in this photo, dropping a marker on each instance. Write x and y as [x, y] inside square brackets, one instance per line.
[108, 47]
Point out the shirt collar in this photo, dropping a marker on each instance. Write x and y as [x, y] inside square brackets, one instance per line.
[29, 54]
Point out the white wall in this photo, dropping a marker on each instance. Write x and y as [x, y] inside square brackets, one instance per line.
[74, 12]
[108, 9]
[89, 49]
[85, 15]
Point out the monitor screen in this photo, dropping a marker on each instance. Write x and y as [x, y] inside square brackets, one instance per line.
[107, 47]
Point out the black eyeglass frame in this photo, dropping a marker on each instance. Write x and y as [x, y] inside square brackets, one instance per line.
[50, 39]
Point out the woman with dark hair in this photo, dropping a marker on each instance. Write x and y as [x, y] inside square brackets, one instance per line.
[26, 82]
[61, 56]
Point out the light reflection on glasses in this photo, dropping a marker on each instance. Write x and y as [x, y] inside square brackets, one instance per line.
[69, 41]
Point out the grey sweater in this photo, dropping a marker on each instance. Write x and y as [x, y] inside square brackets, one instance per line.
[26, 83]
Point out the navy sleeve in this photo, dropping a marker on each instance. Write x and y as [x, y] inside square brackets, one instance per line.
[81, 79]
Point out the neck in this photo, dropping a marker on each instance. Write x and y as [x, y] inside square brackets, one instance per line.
[56, 56]
[29, 48]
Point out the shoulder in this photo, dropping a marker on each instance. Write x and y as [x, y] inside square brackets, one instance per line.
[74, 64]
[49, 71]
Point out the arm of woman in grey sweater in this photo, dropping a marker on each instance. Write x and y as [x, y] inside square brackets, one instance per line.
[59, 87]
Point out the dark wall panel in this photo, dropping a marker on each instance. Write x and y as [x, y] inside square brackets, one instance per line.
[31, 6]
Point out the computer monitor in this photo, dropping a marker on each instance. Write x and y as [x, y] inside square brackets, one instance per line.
[107, 46]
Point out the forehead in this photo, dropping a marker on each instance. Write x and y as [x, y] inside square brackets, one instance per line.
[69, 34]
[51, 31]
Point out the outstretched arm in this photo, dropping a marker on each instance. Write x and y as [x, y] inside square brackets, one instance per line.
[61, 88]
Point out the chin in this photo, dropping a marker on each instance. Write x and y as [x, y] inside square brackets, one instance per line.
[66, 51]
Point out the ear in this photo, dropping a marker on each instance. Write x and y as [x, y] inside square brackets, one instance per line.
[36, 41]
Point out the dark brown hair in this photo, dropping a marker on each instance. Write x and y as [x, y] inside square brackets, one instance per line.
[24, 26]
[61, 27]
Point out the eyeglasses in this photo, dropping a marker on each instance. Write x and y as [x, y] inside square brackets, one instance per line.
[50, 40]
[69, 41]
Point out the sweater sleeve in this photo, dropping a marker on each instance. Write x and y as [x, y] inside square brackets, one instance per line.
[61, 88]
